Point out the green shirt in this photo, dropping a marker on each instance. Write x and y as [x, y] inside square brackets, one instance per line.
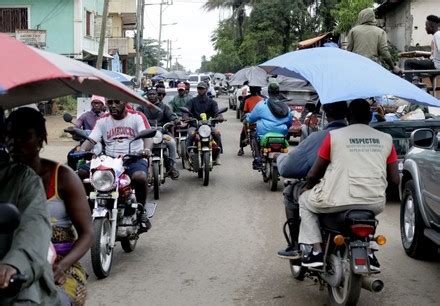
[19, 185]
[178, 102]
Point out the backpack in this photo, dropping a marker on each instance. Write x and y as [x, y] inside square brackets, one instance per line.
[278, 108]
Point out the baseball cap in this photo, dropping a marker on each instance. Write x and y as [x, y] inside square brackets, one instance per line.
[273, 86]
[181, 86]
[202, 85]
[96, 98]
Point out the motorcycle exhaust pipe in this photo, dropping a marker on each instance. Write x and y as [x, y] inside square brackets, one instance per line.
[372, 284]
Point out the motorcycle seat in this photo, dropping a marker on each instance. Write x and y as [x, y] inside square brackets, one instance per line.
[341, 220]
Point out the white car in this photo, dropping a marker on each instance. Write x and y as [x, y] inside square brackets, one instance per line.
[195, 79]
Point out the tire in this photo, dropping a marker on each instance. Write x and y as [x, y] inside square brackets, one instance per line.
[349, 292]
[230, 103]
[415, 244]
[128, 245]
[156, 180]
[266, 172]
[101, 252]
[237, 113]
[273, 177]
[200, 173]
[183, 155]
[298, 271]
[206, 162]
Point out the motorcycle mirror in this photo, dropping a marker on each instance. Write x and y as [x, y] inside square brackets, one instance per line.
[9, 218]
[148, 133]
[67, 117]
[221, 111]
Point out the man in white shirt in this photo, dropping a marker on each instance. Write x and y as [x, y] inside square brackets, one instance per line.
[117, 128]
[431, 27]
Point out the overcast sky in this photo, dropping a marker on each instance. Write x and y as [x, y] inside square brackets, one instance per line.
[192, 33]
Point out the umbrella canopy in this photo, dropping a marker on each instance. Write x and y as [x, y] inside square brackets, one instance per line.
[31, 75]
[180, 75]
[339, 75]
[256, 76]
[219, 76]
[157, 78]
[154, 70]
[120, 77]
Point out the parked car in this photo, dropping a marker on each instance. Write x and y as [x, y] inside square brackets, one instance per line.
[195, 79]
[420, 193]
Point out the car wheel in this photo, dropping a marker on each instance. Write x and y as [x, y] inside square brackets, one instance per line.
[414, 242]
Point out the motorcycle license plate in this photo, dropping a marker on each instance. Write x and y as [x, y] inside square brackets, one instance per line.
[359, 260]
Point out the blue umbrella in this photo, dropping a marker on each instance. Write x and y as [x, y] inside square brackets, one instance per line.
[339, 75]
[157, 78]
[118, 76]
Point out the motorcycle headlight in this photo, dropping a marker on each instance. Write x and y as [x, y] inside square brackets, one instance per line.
[204, 131]
[158, 137]
[103, 180]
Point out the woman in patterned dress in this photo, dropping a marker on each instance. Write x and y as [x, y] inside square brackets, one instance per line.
[66, 199]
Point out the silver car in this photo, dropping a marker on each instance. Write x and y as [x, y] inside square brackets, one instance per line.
[420, 194]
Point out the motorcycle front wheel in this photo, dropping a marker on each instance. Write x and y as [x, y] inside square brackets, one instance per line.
[298, 271]
[101, 251]
[348, 292]
[128, 245]
[206, 162]
[156, 180]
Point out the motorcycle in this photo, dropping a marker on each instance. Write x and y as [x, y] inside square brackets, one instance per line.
[180, 134]
[251, 138]
[159, 159]
[9, 221]
[272, 145]
[116, 212]
[201, 154]
[347, 236]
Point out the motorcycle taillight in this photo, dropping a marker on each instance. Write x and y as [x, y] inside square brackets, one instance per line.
[276, 147]
[362, 230]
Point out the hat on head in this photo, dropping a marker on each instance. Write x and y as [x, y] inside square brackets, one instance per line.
[273, 86]
[181, 86]
[202, 85]
[96, 98]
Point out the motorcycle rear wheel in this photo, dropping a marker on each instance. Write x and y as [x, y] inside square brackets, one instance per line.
[101, 252]
[128, 245]
[182, 155]
[273, 177]
[206, 162]
[156, 180]
[349, 291]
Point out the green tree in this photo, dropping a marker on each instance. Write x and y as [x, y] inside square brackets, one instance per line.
[150, 50]
[347, 11]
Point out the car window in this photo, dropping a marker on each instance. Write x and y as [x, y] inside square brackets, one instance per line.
[193, 79]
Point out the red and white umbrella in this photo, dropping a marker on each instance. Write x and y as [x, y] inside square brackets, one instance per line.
[29, 75]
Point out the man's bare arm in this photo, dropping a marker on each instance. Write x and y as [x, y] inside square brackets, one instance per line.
[87, 146]
[317, 172]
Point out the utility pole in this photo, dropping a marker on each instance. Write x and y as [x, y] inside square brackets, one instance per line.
[160, 33]
[139, 40]
[102, 35]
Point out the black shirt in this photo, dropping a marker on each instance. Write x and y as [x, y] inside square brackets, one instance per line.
[202, 104]
[158, 117]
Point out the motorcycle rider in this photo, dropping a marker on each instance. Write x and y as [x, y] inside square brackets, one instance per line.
[249, 104]
[351, 172]
[117, 128]
[203, 104]
[179, 100]
[162, 117]
[298, 162]
[271, 115]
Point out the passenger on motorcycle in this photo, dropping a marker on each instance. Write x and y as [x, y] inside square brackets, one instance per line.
[249, 104]
[179, 100]
[160, 118]
[203, 104]
[351, 172]
[72, 229]
[26, 250]
[117, 128]
[88, 119]
[298, 162]
[271, 115]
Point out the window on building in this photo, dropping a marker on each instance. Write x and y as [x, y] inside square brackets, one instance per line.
[88, 23]
[12, 19]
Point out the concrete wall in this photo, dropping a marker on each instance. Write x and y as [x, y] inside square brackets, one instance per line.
[397, 25]
[122, 6]
[58, 24]
[419, 10]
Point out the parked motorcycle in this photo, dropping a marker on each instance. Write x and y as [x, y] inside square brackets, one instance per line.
[159, 159]
[9, 221]
[116, 212]
[204, 150]
[347, 236]
[271, 145]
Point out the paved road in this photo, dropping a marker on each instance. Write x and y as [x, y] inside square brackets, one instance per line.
[217, 245]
